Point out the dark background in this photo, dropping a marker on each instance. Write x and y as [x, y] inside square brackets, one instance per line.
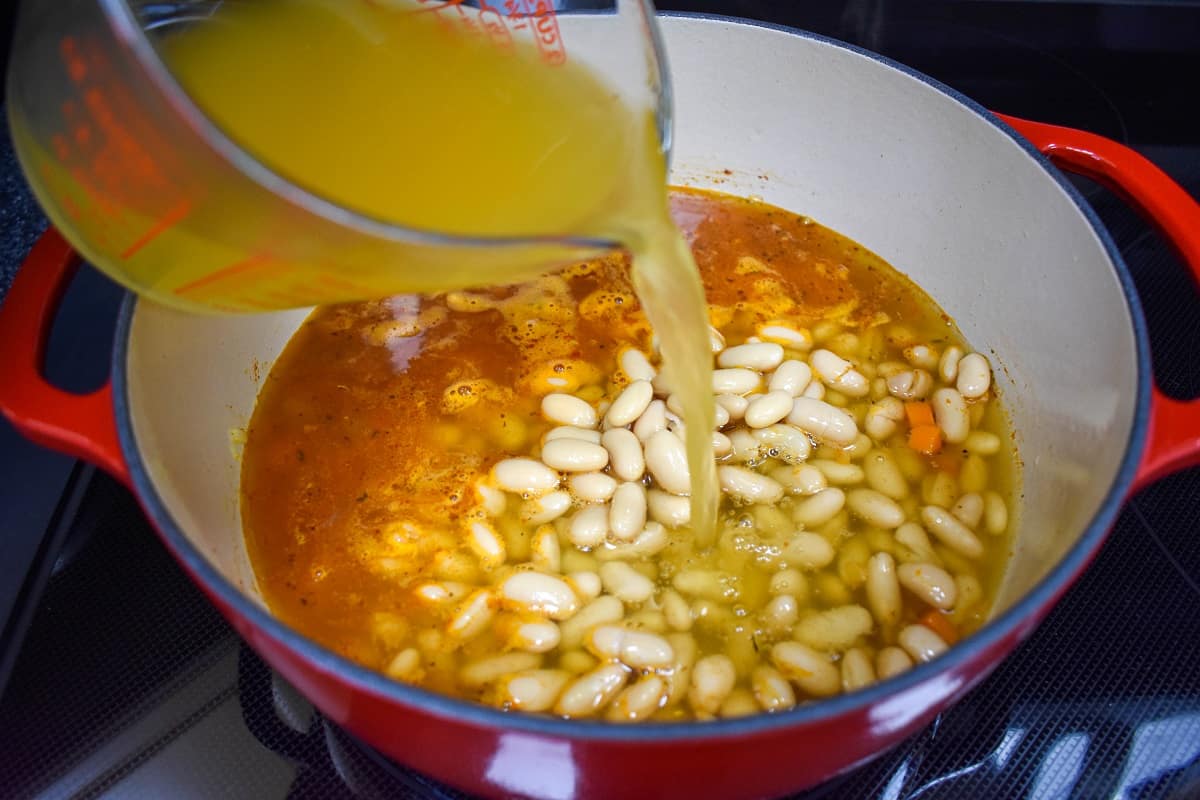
[1145, 56]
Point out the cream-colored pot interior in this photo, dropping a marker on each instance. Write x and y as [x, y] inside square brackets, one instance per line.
[861, 147]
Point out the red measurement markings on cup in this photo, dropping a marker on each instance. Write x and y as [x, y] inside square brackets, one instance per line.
[108, 149]
[501, 21]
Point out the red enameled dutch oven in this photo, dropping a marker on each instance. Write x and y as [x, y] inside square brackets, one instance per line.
[965, 202]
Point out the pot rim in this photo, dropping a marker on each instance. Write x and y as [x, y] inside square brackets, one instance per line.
[1013, 621]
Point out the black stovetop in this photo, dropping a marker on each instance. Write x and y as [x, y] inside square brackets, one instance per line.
[119, 680]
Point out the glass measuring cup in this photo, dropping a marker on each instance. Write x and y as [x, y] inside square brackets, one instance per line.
[152, 191]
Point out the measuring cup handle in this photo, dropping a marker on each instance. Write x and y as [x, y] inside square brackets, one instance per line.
[1173, 442]
[81, 425]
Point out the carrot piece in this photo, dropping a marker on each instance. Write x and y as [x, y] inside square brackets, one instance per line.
[919, 414]
[940, 624]
[925, 439]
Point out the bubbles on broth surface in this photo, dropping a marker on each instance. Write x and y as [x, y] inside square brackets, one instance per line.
[504, 518]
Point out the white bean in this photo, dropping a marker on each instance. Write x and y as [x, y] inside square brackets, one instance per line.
[952, 533]
[802, 479]
[823, 421]
[493, 500]
[638, 701]
[720, 415]
[948, 364]
[995, 513]
[969, 509]
[771, 689]
[435, 593]
[922, 355]
[857, 671]
[921, 643]
[834, 629]
[950, 412]
[814, 391]
[876, 508]
[492, 668]
[545, 552]
[838, 373]
[486, 544]
[738, 703]
[585, 584]
[838, 473]
[540, 636]
[910, 384]
[745, 446]
[626, 583]
[748, 486]
[630, 404]
[574, 455]
[676, 610]
[883, 589]
[785, 442]
[780, 613]
[940, 489]
[789, 581]
[666, 458]
[809, 551]
[637, 649]
[982, 443]
[713, 678]
[602, 610]
[769, 409]
[734, 404]
[763, 356]
[592, 487]
[627, 513]
[884, 476]
[929, 583]
[795, 338]
[539, 593]
[668, 509]
[591, 692]
[589, 526]
[810, 670]
[547, 508]
[652, 420]
[891, 661]
[533, 690]
[625, 454]
[679, 676]
[722, 445]
[524, 476]
[913, 536]
[650, 541]
[974, 376]
[883, 417]
[473, 616]
[970, 592]
[571, 432]
[707, 583]
[716, 342]
[735, 381]
[636, 365]
[819, 508]
[791, 376]
[567, 409]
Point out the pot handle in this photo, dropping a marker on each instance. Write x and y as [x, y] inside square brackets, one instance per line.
[1173, 441]
[80, 425]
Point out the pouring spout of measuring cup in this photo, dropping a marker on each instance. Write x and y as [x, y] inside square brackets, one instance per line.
[213, 195]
